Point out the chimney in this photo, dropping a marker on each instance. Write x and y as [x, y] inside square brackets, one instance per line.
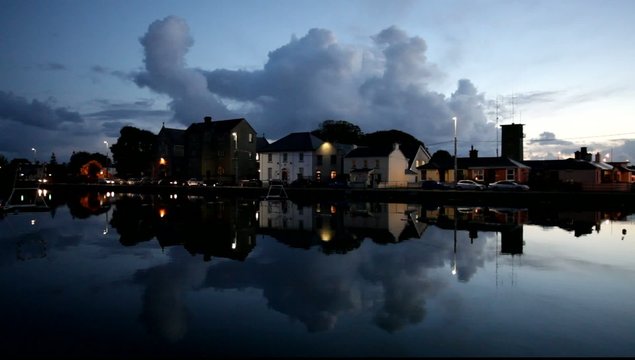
[473, 153]
[597, 157]
[208, 119]
[395, 146]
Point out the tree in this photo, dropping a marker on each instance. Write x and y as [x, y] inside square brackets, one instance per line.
[442, 158]
[80, 161]
[389, 137]
[134, 152]
[340, 131]
[443, 161]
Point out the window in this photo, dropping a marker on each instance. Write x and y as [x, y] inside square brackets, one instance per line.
[269, 173]
[354, 165]
[270, 157]
[301, 157]
[333, 159]
[251, 155]
[284, 157]
[479, 174]
[251, 137]
[333, 174]
[318, 175]
[377, 164]
[366, 164]
[221, 153]
[319, 159]
[510, 174]
[301, 172]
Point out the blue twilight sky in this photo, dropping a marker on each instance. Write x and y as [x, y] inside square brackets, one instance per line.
[73, 73]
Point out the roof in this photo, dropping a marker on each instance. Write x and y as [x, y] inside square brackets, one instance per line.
[567, 164]
[477, 163]
[175, 136]
[490, 162]
[219, 126]
[261, 142]
[298, 141]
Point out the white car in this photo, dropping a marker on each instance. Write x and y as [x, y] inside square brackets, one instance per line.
[507, 185]
[195, 182]
[469, 185]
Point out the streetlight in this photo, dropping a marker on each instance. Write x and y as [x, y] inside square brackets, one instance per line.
[235, 137]
[455, 160]
[34, 155]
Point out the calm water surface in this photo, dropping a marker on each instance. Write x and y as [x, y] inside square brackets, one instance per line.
[131, 276]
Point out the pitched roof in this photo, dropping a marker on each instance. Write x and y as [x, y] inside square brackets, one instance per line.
[567, 164]
[175, 136]
[219, 126]
[261, 143]
[489, 162]
[298, 141]
[476, 163]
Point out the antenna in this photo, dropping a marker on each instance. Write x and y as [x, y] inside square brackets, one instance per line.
[513, 113]
[496, 128]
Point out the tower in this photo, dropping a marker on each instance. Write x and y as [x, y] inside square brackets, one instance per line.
[512, 141]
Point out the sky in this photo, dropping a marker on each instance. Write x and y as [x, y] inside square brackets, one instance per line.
[73, 73]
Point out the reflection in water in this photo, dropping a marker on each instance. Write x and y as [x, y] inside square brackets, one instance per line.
[389, 264]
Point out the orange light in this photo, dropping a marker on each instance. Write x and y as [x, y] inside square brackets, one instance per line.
[162, 212]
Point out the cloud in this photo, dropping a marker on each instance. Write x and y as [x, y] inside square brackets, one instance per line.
[35, 113]
[52, 66]
[549, 138]
[380, 86]
[102, 70]
[165, 45]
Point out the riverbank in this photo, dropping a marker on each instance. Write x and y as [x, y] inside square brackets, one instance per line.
[569, 200]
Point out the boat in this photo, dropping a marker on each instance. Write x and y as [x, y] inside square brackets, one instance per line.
[276, 191]
[27, 195]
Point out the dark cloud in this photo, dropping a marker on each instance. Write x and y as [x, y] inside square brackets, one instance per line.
[52, 66]
[102, 70]
[35, 113]
[549, 138]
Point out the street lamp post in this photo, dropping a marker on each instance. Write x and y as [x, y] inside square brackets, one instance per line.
[455, 160]
[235, 137]
[34, 155]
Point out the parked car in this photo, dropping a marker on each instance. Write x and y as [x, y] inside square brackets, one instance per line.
[195, 182]
[168, 182]
[468, 185]
[302, 183]
[251, 183]
[507, 185]
[433, 185]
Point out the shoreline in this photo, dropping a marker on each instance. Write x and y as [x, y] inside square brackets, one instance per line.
[578, 200]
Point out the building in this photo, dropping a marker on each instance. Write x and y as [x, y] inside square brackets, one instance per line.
[220, 150]
[378, 166]
[301, 155]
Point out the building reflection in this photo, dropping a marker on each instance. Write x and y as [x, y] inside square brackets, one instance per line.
[228, 228]
[338, 227]
[207, 227]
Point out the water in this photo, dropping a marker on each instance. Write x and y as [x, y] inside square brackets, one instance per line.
[132, 276]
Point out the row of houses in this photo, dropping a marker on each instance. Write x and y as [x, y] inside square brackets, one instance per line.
[230, 151]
